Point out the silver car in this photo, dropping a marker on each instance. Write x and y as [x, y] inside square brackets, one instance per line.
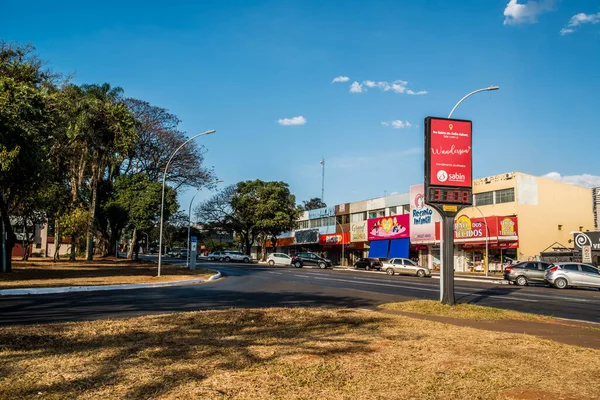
[279, 258]
[231, 255]
[404, 266]
[564, 274]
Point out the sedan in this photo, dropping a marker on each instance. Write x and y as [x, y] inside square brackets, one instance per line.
[526, 272]
[279, 258]
[368, 263]
[564, 274]
[404, 266]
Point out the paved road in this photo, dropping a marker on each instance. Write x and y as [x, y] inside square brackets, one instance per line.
[263, 286]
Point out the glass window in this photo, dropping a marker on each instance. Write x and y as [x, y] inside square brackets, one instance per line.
[393, 211]
[505, 196]
[483, 199]
[302, 224]
[398, 262]
[315, 223]
[545, 266]
[358, 217]
[532, 266]
[408, 262]
[377, 213]
[589, 270]
[570, 267]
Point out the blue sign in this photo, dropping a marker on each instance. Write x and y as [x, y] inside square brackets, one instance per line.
[321, 213]
[194, 239]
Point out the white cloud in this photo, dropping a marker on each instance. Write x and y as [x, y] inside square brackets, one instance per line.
[585, 180]
[516, 13]
[357, 88]
[397, 124]
[340, 79]
[419, 93]
[300, 120]
[580, 19]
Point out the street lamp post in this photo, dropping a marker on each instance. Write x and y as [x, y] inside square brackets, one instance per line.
[188, 258]
[447, 255]
[343, 258]
[162, 202]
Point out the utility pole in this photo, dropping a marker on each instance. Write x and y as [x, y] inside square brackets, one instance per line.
[323, 180]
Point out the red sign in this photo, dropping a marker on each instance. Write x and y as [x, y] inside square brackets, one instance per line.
[334, 239]
[450, 153]
[395, 227]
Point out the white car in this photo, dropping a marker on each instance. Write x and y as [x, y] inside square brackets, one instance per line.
[279, 258]
[404, 266]
[235, 256]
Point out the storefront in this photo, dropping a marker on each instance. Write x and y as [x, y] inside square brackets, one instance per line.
[359, 244]
[305, 240]
[389, 237]
[331, 246]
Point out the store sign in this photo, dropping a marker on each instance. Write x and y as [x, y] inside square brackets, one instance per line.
[507, 226]
[334, 239]
[342, 208]
[358, 231]
[321, 213]
[465, 228]
[306, 236]
[396, 227]
[587, 239]
[422, 217]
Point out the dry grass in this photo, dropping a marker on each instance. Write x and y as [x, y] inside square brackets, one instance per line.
[463, 311]
[288, 354]
[45, 273]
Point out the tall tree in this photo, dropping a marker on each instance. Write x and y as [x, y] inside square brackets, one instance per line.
[313, 204]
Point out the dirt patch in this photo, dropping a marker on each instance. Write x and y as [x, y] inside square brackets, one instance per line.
[287, 354]
[45, 273]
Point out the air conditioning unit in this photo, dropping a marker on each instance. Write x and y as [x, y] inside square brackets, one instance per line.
[510, 175]
[487, 180]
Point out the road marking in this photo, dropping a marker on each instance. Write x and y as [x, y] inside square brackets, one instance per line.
[276, 273]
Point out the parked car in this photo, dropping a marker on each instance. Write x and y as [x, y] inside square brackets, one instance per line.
[368, 263]
[527, 272]
[404, 266]
[302, 259]
[230, 255]
[216, 256]
[563, 274]
[279, 258]
[181, 253]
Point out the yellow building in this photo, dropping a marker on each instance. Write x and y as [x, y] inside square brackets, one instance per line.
[544, 212]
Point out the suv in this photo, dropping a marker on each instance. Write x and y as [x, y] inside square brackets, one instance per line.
[230, 255]
[217, 255]
[368, 263]
[526, 272]
[302, 259]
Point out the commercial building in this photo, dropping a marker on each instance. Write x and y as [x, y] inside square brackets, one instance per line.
[515, 216]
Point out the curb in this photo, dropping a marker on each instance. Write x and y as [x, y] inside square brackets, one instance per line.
[75, 289]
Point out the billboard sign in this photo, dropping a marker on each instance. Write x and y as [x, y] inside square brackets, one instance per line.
[306, 236]
[422, 217]
[394, 227]
[587, 239]
[358, 231]
[448, 161]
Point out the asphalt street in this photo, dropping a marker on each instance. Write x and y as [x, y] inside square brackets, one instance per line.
[263, 286]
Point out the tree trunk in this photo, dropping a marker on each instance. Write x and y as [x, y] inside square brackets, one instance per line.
[73, 248]
[57, 240]
[136, 251]
[8, 233]
[133, 244]
[89, 251]
[263, 248]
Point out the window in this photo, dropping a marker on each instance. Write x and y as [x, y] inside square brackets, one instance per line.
[302, 224]
[408, 262]
[393, 211]
[505, 196]
[398, 262]
[531, 266]
[483, 199]
[570, 267]
[315, 223]
[588, 269]
[358, 217]
[346, 218]
[377, 213]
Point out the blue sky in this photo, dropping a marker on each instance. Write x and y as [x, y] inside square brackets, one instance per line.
[241, 66]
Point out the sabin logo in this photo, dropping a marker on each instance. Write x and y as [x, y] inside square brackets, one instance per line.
[442, 176]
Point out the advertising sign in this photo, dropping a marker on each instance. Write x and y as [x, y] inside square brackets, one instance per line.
[194, 243]
[396, 227]
[587, 239]
[358, 231]
[507, 226]
[306, 236]
[450, 152]
[586, 254]
[422, 217]
[334, 239]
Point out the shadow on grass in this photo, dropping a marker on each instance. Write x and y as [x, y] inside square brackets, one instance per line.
[172, 350]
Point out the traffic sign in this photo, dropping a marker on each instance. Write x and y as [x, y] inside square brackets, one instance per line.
[586, 254]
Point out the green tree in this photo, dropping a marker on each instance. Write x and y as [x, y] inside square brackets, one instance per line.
[313, 204]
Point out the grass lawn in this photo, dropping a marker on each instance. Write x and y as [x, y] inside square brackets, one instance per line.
[45, 273]
[288, 354]
[462, 311]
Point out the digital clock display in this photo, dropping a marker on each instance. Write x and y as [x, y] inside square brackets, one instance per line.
[442, 195]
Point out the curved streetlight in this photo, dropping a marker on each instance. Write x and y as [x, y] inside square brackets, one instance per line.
[162, 202]
[343, 258]
[487, 89]
[189, 255]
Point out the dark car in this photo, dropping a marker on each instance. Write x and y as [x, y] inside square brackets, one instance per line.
[526, 272]
[368, 263]
[302, 259]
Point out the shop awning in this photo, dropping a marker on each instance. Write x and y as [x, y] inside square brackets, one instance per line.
[399, 248]
[379, 248]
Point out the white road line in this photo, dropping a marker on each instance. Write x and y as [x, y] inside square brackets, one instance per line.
[276, 273]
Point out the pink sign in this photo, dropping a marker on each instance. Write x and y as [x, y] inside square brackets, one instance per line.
[395, 227]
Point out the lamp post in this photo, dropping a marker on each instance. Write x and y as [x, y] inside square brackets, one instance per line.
[447, 255]
[487, 89]
[343, 258]
[187, 260]
[162, 202]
